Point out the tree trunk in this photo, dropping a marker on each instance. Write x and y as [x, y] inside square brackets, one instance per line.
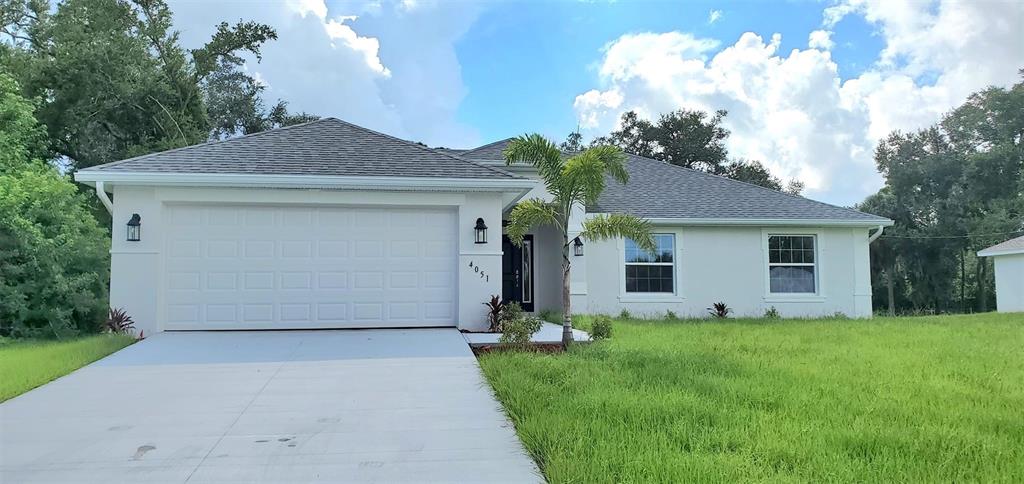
[566, 309]
[982, 293]
[889, 289]
[963, 281]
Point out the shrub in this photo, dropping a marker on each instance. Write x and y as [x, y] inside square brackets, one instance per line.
[517, 327]
[551, 316]
[671, 315]
[494, 307]
[625, 315]
[119, 322]
[601, 328]
[54, 257]
[839, 315]
[771, 313]
[719, 310]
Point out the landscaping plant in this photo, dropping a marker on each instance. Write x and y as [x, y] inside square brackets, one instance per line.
[119, 322]
[601, 328]
[494, 307]
[517, 327]
[719, 310]
[573, 181]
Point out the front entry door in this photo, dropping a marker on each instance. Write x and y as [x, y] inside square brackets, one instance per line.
[517, 272]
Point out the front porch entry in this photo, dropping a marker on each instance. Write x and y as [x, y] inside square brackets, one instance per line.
[517, 274]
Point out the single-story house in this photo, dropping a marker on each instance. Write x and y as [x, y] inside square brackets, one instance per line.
[1009, 263]
[331, 225]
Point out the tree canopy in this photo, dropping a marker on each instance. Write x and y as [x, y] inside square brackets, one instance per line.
[115, 82]
[953, 188]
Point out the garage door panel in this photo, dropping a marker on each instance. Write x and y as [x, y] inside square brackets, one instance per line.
[245, 267]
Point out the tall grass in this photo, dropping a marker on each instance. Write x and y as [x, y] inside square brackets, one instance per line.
[27, 364]
[924, 399]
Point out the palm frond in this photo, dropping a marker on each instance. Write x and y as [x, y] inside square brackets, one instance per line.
[607, 226]
[614, 161]
[527, 214]
[536, 150]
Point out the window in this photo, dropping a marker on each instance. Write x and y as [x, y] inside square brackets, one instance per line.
[791, 264]
[651, 272]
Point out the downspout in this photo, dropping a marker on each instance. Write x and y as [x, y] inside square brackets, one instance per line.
[104, 198]
[876, 235]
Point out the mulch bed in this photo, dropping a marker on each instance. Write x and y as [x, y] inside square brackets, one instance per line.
[534, 347]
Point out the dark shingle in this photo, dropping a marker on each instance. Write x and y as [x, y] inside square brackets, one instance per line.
[489, 152]
[328, 147]
[659, 190]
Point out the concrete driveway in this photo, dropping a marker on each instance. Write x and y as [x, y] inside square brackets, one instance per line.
[271, 406]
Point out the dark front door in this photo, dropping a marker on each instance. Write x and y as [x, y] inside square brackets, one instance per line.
[517, 272]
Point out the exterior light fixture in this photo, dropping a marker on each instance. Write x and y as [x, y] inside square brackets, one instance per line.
[135, 228]
[481, 231]
[577, 247]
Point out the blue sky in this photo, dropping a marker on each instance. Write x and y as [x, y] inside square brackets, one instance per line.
[810, 86]
[522, 82]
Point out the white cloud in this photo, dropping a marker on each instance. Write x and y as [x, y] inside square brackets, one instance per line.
[404, 79]
[792, 110]
[714, 15]
[820, 39]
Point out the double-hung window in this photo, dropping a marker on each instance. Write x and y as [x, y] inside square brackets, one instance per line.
[791, 264]
[651, 272]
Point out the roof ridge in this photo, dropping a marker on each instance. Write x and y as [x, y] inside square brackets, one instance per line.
[488, 145]
[427, 148]
[206, 143]
[778, 192]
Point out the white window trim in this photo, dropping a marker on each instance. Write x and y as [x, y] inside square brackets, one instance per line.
[819, 267]
[652, 297]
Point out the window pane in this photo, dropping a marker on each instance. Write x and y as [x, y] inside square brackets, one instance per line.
[665, 251]
[789, 279]
[650, 279]
[791, 249]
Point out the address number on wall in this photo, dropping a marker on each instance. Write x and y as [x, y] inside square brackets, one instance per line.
[483, 275]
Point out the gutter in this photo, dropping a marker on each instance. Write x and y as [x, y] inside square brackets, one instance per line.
[873, 237]
[104, 198]
[774, 222]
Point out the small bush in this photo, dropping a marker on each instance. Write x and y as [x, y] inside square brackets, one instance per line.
[671, 315]
[720, 310]
[771, 313]
[494, 307]
[551, 316]
[517, 328]
[625, 315]
[119, 322]
[838, 315]
[601, 328]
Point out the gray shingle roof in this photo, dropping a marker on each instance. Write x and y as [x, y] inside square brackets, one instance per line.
[1012, 246]
[659, 190]
[488, 152]
[328, 147]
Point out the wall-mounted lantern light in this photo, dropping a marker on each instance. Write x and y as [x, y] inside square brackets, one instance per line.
[481, 231]
[577, 246]
[135, 228]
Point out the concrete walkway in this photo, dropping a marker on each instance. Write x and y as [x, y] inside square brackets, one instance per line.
[271, 406]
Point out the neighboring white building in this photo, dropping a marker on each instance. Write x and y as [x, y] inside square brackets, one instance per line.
[1009, 262]
[330, 225]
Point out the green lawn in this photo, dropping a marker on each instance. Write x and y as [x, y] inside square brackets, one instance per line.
[27, 364]
[923, 399]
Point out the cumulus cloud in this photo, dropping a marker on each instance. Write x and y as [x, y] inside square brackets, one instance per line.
[403, 79]
[714, 15]
[820, 39]
[791, 110]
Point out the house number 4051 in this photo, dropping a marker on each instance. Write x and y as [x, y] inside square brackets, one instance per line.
[483, 275]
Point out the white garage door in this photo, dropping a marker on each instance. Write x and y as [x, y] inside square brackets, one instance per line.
[272, 267]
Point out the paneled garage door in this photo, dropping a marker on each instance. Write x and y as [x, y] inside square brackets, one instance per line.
[273, 267]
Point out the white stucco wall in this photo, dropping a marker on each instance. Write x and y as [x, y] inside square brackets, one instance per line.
[137, 268]
[1009, 282]
[729, 264]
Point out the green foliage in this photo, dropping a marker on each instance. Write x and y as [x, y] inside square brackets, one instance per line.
[720, 310]
[671, 315]
[54, 258]
[115, 82]
[25, 365]
[624, 314]
[517, 327]
[771, 313]
[601, 328]
[953, 188]
[934, 399]
[550, 315]
[22, 140]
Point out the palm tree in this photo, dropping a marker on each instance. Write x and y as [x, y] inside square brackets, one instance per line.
[575, 181]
